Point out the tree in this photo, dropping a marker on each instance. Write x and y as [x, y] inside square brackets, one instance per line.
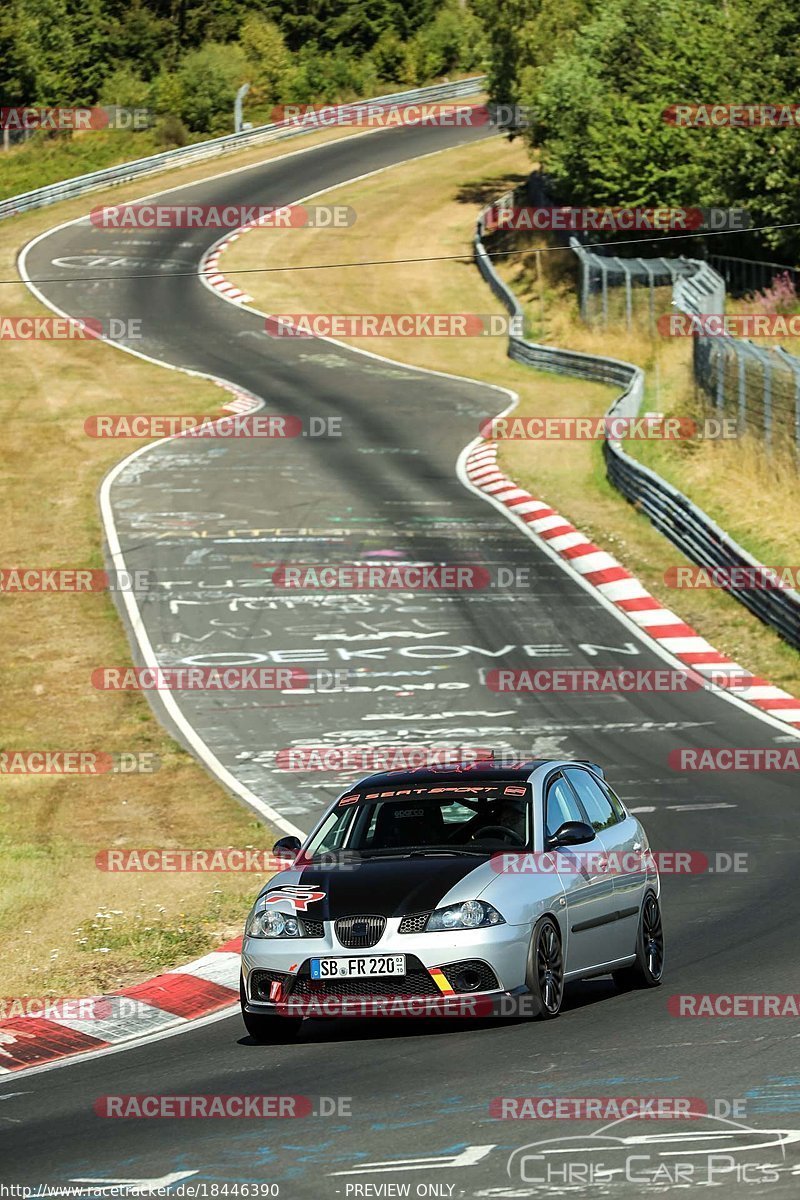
[267, 56]
[204, 86]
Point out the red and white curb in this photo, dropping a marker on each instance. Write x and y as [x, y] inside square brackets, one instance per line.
[618, 586]
[209, 264]
[209, 268]
[168, 1001]
[242, 402]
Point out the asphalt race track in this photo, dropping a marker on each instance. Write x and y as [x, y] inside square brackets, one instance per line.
[208, 519]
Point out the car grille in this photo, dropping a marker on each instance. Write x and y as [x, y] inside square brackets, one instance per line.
[312, 929]
[479, 973]
[260, 981]
[356, 933]
[414, 983]
[415, 923]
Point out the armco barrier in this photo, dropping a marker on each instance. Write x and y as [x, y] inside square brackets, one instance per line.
[200, 151]
[672, 513]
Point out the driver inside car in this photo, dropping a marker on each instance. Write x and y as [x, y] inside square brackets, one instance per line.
[504, 813]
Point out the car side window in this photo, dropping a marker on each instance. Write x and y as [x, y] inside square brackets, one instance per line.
[560, 806]
[613, 800]
[599, 810]
[331, 836]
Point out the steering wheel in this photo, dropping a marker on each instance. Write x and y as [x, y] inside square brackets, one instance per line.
[502, 831]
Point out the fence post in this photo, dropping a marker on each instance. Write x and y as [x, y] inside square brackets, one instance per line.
[742, 391]
[651, 288]
[720, 400]
[767, 401]
[540, 284]
[628, 300]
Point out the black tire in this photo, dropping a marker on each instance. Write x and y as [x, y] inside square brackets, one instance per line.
[545, 974]
[648, 969]
[266, 1028]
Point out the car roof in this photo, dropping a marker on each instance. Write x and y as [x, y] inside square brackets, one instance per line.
[483, 771]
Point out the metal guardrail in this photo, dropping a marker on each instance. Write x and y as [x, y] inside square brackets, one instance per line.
[700, 292]
[200, 151]
[670, 511]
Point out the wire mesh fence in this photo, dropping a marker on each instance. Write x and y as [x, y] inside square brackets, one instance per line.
[758, 386]
[743, 276]
[629, 289]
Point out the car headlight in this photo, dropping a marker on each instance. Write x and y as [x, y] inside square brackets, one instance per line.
[267, 923]
[472, 914]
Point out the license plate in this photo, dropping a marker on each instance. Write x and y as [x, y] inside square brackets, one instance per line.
[358, 968]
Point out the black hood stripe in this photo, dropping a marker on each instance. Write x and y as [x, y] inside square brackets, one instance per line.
[386, 887]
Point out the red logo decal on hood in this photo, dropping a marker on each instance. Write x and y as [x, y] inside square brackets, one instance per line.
[297, 895]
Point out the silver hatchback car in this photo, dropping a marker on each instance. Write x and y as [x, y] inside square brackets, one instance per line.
[476, 890]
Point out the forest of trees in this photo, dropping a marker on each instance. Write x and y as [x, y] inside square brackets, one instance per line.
[184, 59]
[597, 75]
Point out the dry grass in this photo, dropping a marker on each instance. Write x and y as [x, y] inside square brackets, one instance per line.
[53, 826]
[427, 209]
[53, 897]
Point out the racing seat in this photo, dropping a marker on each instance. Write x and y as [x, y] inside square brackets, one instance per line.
[409, 824]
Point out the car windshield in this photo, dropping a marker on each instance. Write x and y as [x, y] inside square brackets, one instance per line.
[440, 819]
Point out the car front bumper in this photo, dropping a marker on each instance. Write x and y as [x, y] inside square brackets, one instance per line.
[432, 985]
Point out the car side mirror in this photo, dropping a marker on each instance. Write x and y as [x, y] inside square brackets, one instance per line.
[571, 833]
[287, 846]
